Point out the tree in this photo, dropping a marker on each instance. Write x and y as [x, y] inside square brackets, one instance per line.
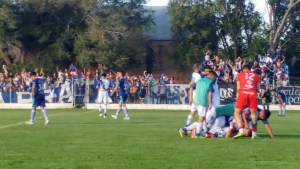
[194, 29]
[281, 19]
[238, 23]
[56, 33]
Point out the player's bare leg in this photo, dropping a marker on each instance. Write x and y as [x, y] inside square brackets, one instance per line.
[254, 123]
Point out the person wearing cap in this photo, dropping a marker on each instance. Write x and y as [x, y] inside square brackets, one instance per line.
[103, 97]
[122, 87]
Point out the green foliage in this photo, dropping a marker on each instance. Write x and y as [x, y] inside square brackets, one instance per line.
[88, 32]
[194, 29]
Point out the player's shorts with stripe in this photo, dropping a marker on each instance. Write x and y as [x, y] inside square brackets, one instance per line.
[38, 100]
[123, 98]
[246, 99]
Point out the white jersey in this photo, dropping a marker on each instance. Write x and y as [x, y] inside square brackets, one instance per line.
[103, 84]
[216, 100]
[103, 97]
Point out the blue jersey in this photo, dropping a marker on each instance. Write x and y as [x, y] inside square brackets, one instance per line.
[265, 120]
[38, 83]
[281, 95]
[123, 87]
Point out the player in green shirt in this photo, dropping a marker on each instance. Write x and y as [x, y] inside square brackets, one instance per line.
[203, 100]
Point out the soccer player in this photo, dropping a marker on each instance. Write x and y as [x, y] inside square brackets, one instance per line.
[103, 88]
[202, 100]
[281, 99]
[38, 97]
[218, 111]
[196, 75]
[122, 87]
[248, 84]
[262, 115]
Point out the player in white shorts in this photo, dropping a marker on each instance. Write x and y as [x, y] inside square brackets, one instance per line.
[103, 96]
[192, 92]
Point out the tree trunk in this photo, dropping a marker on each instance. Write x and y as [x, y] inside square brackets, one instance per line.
[275, 31]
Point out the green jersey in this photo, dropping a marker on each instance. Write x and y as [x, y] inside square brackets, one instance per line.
[226, 110]
[202, 90]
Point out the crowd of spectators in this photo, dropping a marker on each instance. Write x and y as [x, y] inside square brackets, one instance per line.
[269, 67]
[60, 83]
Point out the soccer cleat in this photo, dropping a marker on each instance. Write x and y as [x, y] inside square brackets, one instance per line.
[181, 132]
[255, 137]
[114, 116]
[100, 115]
[47, 122]
[29, 122]
[104, 116]
[238, 135]
[126, 118]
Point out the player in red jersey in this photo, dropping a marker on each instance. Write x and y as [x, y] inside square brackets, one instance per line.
[247, 87]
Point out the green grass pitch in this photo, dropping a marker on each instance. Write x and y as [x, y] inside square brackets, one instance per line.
[78, 139]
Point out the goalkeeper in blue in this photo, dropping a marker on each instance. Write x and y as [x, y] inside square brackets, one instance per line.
[38, 97]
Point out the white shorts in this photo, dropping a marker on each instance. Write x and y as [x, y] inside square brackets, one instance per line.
[201, 110]
[103, 97]
[218, 124]
[193, 107]
[211, 115]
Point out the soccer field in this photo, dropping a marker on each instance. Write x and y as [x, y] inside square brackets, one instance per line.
[78, 139]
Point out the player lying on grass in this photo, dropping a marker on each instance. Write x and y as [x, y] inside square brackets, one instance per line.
[217, 119]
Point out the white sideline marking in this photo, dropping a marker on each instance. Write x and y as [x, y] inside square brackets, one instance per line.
[17, 124]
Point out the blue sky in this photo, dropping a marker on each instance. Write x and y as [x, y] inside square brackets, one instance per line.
[259, 5]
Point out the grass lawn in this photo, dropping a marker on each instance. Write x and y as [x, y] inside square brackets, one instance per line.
[78, 139]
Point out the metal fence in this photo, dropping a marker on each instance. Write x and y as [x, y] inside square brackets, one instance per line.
[80, 91]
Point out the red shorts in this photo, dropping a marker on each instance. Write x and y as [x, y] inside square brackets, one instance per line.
[246, 99]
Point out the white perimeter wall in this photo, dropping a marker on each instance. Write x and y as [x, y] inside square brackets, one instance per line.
[130, 106]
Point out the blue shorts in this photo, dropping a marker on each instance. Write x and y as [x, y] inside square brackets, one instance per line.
[39, 101]
[123, 99]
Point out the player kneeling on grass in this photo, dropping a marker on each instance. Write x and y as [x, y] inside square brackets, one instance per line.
[218, 128]
[262, 115]
[38, 97]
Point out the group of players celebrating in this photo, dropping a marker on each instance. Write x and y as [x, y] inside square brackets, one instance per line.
[232, 120]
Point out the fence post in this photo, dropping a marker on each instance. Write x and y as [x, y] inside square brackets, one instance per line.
[87, 92]
[10, 92]
[73, 91]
